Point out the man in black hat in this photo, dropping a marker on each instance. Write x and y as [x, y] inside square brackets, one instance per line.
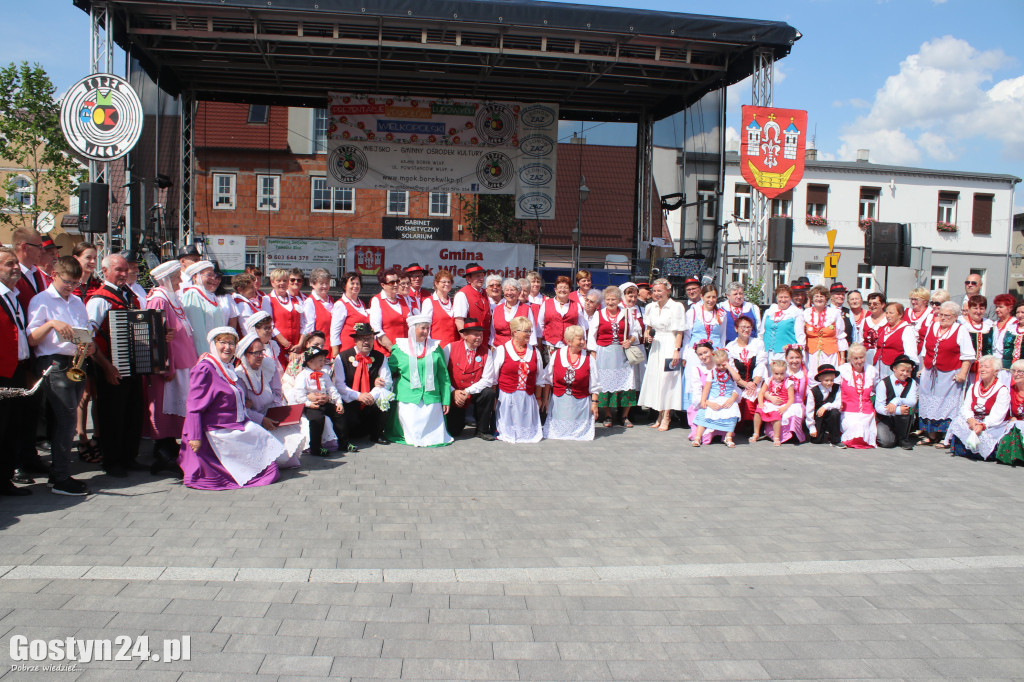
[691, 288]
[837, 299]
[469, 368]
[895, 402]
[416, 272]
[357, 372]
[824, 403]
[187, 255]
[643, 293]
[799, 292]
[133, 258]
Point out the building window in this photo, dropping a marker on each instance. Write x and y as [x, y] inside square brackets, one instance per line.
[741, 275]
[981, 216]
[320, 131]
[258, 113]
[398, 203]
[326, 199]
[869, 203]
[980, 272]
[940, 278]
[440, 204]
[22, 194]
[254, 258]
[268, 192]
[741, 203]
[224, 191]
[817, 201]
[706, 197]
[865, 278]
[814, 271]
[947, 207]
[782, 206]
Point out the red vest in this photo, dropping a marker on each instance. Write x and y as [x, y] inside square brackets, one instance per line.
[982, 410]
[508, 373]
[8, 344]
[479, 308]
[502, 331]
[442, 324]
[889, 344]
[579, 387]
[116, 303]
[465, 369]
[393, 324]
[922, 323]
[604, 328]
[27, 288]
[322, 321]
[353, 316]
[288, 322]
[858, 404]
[555, 324]
[949, 349]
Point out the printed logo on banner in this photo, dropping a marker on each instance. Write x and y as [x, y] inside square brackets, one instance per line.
[537, 116]
[101, 117]
[536, 174]
[347, 164]
[536, 145]
[495, 170]
[369, 259]
[535, 204]
[496, 123]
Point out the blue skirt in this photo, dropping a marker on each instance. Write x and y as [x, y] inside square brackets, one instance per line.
[723, 425]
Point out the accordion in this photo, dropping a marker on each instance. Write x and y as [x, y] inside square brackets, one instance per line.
[138, 341]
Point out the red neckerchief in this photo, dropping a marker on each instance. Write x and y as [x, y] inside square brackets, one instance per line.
[822, 317]
[524, 365]
[779, 312]
[721, 376]
[736, 312]
[361, 378]
[316, 377]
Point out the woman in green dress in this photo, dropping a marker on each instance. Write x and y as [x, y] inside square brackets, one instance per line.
[1010, 448]
[422, 388]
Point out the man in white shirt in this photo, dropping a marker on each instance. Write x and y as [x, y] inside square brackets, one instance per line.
[132, 282]
[469, 366]
[14, 356]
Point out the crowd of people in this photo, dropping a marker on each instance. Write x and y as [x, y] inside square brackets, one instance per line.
[256, 380]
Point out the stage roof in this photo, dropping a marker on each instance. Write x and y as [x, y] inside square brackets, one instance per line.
[597, 63]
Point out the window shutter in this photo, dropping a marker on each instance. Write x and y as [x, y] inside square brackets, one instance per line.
[981, 217]
[817, 194]
[949, 196]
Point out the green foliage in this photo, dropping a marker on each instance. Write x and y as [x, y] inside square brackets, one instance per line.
[492, 218]
[754, 292]
[31, 140]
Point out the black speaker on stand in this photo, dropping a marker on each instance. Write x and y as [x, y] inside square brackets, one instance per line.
[93, 202]
[887, 244]
[780, 240]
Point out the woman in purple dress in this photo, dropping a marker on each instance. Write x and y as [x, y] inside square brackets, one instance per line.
[221, 448]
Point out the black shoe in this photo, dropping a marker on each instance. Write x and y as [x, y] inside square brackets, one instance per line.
[116, 471]
[381, 440]
[21, 476]
[134, 465]
[70, 486]
[8, 489]
[907, 445]
[35, 465]
[483, 435]
[164, 464]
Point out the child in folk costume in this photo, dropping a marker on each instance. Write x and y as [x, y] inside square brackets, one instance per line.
[750, 359]
[895, 404]
[719, 410]
[315, 389]
[823, 407]
[706, 322]
[983, 417]
[898, 337]
[698, 373]
[776, 396]
[798, 375]
[980, 329]
[825, 332]
[858, 381]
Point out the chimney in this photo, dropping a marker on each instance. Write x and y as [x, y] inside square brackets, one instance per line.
[811, 155]
[576, 139]
[862, 155]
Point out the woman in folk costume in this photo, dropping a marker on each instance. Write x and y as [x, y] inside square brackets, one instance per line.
[389, 312]
[800, 378]
[558, 314]
[609, 335]
[629, 296]
[751, 362]
[920, 315]
[261, 383]
[1010, 449]
[348, 311]
[244, 298]
[221, 448]
[719, 411]
[982, 420]
[440, 307]
[857, 381]
[572, 406]
[979, 328]
[317, 309]
[1005, 304]
[286, 311]
[262, 324]
[782, 325]
[898, 337]
[825, 333]
[661, 389]
[167, 394]
[200, 303]
[518, 370]
[510, 308]
[946, 358]
[872, 322]
[422, 388]
[735, 307]
[1013, 339]
[584, 282]
[704, 322]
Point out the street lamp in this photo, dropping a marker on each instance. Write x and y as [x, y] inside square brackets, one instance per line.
[577, 232]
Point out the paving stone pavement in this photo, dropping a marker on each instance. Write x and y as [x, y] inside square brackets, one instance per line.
[634, 557]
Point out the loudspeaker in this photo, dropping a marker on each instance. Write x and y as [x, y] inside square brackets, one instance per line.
[887, 244]
[93, 200]
[780, 240]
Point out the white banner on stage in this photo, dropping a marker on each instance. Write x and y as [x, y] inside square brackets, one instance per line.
[537, 163]
[305, 254]
[227, 250]
[371, 256]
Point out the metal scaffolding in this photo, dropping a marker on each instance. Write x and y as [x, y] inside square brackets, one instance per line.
[644, 182]
[186, 206]
[101, 60]
[761, 95]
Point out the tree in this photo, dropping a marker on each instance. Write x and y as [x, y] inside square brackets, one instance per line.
[492, 218]
[31, 141]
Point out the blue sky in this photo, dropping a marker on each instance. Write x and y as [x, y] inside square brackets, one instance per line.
[930, 83]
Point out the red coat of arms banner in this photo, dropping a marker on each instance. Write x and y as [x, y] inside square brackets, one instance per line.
[772, 148]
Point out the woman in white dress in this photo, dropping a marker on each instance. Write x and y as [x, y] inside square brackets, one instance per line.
[520, 374]
[572, 405]
[200, 304]
[422, 388]
[662, 382]
[609, 335]
[261, 384]
[982, 420]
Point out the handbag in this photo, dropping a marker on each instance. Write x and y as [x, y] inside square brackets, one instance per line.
[635, 354]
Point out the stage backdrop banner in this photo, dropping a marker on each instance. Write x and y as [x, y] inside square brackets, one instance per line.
[371, 256]
[228, 251]
[422, 229]
[304, 254]
[445, 145]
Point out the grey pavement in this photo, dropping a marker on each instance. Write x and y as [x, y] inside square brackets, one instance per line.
[634, 557]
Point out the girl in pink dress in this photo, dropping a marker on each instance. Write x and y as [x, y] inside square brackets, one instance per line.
[776, 396]
[797, 374]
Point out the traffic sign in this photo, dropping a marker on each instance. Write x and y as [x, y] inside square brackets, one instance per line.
[831, 265]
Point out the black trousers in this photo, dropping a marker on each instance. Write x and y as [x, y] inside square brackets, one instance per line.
[120, 411]
[363, 420]
[316, 417]
[893, 429]
[483, 410]
[15, 415]
[828, 425]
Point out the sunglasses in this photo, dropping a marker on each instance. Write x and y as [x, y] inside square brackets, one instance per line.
[935, 304]
[969, 282]
[391, 282]
[295, 281]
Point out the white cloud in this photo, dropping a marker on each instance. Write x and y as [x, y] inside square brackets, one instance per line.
[936, 103]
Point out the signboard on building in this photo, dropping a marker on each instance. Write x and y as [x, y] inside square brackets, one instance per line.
[419, 229]
[371, 256]
[305, 254]
[772, 148]
[445, 145]
[101, 117]
[228, 251]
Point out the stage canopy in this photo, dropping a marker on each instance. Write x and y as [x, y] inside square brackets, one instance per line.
[597, 63]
